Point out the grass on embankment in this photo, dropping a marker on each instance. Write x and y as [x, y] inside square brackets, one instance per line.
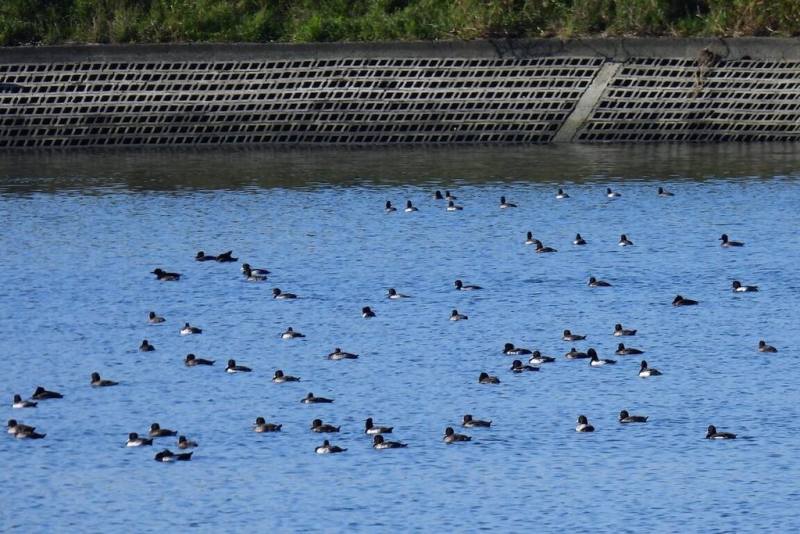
[161, 21]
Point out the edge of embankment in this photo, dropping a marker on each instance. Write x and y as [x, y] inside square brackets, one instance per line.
[612, 49]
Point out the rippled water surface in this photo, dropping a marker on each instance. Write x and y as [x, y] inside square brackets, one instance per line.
[81, 233]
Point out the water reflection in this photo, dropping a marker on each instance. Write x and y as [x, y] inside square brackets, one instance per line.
[231, 169]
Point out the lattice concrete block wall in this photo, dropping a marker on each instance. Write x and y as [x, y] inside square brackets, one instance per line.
[531, 91]
[327, 101]
[683, 100]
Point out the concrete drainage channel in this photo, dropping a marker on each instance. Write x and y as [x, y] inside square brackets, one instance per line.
[535, 91]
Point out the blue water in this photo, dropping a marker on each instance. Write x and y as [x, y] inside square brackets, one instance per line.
[81, 232]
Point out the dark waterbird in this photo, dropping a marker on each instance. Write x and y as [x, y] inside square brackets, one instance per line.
[19, 402]
[98, 382]
[504, 204]
[680, 301]
[739, 288]
[727, 243]
[202, 256]
[185, 443]
[165, 276]
[619, 331]
[583, 425]
[260, 272]
[713, 433]
[664, 193]
[537, 358]
[518, 367]
[460, 286]
[318, 426]
[262, 426]
[567, 335]
[594, 282]
[134, 440]
[188, 330]
[234, 368]
[226, 257]
[339, 354]
[290, 333]
[541, 249]
[20, 431]
[763, 347]
[646, 371]
[596, 361]
[327, 448]
[280, 295]
[624, 241]
[157, 432]
[251, 276]
[42, 394]
[378, 442]
[168, 456]
[372, 428]
[622, 350]
[192, 361]
[486, 378]
[625, 417]
[280, 378]
[455, 316]
[469, 422]
[575, 354]
[450, 436]
[510, 350]
[311, 399]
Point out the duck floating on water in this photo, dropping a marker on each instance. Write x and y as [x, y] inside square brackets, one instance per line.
[763, 347]
[42, 394]
[727, 243]
[327, 448]
[379, 442]
[168, 456]
[583, 425]
[234, 368]
[165, 276]
[192, 361]
[372, 428]
[98, 382]
[619, 331]
[645, 371]
[625, 418]
[262, 426]
[291, 334]
[486, 378]
[680, 301]
[713, 433]
[450, 436]
[469, 422]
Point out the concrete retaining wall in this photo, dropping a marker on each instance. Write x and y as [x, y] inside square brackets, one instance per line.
[537, 91]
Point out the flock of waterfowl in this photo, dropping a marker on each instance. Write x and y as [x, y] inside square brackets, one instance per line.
[377, 432]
